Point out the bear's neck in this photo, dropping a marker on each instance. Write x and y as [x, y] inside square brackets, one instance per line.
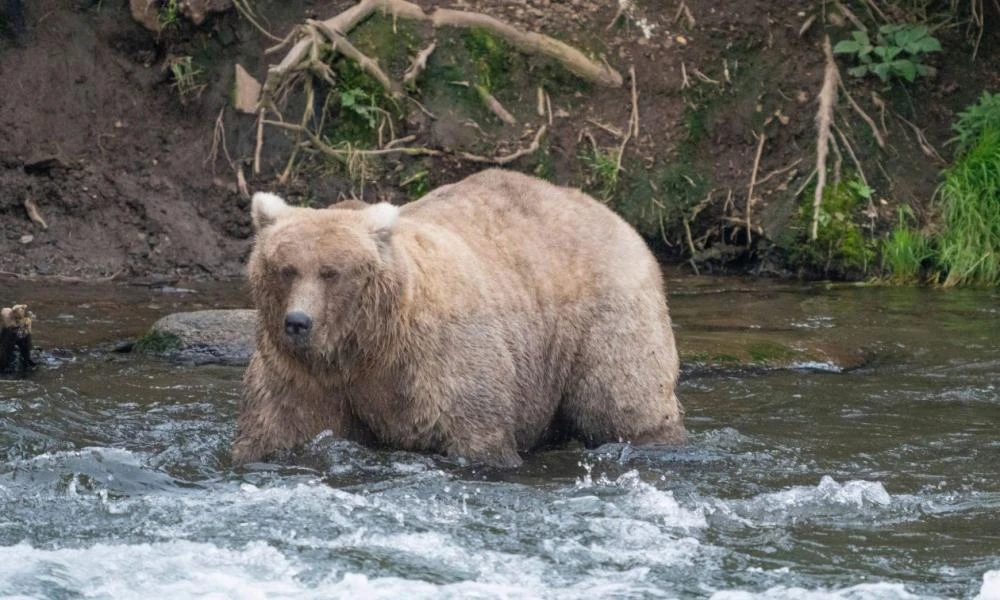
[382, 332]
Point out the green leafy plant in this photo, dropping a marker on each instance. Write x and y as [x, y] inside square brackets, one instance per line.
[169, 14]
[976, 119]
[905, 251]
[898, 51]
[361, 104]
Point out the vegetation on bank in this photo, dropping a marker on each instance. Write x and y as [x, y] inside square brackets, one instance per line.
[969, 243]
[958, 240]
[478, 91]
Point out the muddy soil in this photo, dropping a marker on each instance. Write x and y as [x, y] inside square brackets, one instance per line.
[94, 133]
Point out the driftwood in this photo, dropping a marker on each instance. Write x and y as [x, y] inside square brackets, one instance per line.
[15, 339]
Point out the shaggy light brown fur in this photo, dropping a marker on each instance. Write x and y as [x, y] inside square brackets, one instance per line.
[492, 316]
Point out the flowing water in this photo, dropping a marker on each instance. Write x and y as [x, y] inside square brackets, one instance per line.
[878, 482]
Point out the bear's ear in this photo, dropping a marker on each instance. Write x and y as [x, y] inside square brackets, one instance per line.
[381, 216]
[266, 208]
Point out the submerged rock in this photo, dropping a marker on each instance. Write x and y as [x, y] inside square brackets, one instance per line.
[202, 337]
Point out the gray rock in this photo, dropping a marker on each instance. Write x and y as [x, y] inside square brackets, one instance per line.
[203, 337]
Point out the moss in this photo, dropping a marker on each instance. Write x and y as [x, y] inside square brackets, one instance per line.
[393, 43]
[841, 247]
[492, 58]
[416, 180]
[157, 342]
[357, 106]
[545, 167]
[766, 351]
[710, 358]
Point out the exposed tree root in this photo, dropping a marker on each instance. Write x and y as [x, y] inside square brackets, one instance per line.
[761, 138]
[527, 42]
[824, 121]
[861, 113]
[925, 146]
[307, 60]
[418, 65]
[340, 44]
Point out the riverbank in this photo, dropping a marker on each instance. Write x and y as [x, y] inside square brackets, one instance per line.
[121, 151]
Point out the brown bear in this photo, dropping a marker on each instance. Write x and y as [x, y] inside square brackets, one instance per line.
[492, 316]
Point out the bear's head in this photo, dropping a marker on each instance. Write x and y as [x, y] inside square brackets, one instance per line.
[319, 277]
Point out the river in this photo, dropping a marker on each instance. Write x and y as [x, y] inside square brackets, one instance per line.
[806, 481]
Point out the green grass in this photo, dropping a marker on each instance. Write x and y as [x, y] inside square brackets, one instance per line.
[602, 174]
[970, 241]
[187, 77]
[905, 252]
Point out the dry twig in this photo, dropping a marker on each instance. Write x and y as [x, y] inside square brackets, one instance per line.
[33, 213]
[508, 158]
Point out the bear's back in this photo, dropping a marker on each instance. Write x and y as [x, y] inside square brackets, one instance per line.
[562, 235]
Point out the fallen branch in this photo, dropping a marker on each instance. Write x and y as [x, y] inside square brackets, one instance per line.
[509, 158]
[824, 120]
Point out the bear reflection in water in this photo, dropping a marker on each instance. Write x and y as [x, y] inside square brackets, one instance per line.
[493, 316]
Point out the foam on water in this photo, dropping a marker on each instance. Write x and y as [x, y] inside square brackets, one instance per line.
[828, 499]
[864, 591]
[175, 569]
[991, 586]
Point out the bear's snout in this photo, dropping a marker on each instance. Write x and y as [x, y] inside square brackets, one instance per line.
[297, 324]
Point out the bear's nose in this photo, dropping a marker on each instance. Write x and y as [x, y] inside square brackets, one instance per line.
[297, 323]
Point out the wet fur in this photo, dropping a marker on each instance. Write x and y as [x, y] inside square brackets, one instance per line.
[492, 316]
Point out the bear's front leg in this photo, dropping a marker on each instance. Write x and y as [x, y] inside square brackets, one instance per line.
[284, 406]
[478, 443]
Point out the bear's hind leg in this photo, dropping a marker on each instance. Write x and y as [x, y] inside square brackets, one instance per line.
[621, 387]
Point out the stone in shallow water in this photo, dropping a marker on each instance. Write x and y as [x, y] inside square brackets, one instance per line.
[203, 337]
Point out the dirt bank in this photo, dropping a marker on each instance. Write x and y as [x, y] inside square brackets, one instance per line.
[94, 133]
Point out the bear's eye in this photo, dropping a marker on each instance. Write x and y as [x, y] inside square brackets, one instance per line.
[329, 274]
[288, 272]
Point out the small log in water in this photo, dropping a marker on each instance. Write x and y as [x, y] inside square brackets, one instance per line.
[15, 339]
